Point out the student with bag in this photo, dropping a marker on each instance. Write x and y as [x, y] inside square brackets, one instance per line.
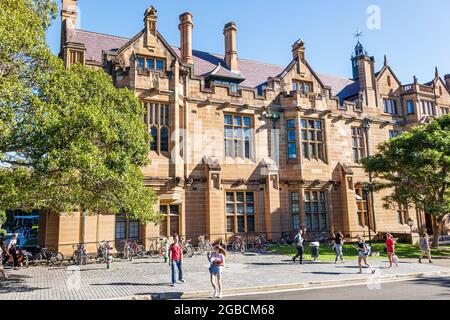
[217, 262]
[390, 246]
[364, 252]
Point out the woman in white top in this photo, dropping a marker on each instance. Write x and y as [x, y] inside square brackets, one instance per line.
[12, 247]
[217, 262]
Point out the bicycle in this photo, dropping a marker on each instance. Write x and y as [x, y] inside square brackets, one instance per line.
[79, 256]
[285, 239]
[103, 252]
[137, 250]
[188, 249]
[126, 252]
[260, 244]
[52, 257]
[204, 245]
[239, 245]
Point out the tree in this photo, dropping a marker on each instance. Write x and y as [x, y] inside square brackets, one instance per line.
[69, 139]
[416, 166]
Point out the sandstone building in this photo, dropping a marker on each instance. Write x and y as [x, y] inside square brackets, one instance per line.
[245, 147]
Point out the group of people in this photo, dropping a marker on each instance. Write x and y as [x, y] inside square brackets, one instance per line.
[216, 260]
[364, 250]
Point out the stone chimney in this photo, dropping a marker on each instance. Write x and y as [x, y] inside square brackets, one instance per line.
[298, 54]
[447, 81]
[185, 28]
[68, 21]
[298, 50]
[231, 56]
[150, 19]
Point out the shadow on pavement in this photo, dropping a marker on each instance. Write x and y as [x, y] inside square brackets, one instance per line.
[16, 283]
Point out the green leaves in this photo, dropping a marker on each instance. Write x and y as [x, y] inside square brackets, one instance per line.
[417, 166]
[69, 139]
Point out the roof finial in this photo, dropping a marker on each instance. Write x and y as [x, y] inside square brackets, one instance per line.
[385, 61]
[415, 80]
[436, 72]
[358, 34]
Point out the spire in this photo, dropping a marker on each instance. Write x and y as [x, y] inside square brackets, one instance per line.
[385, 61]
[436, 72]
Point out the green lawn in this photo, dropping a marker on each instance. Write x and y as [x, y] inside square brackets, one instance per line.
[350, 253]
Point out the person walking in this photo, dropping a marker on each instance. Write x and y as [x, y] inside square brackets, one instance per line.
[338, 247]
[425, 246]
[363, 253]
[390, 246]
[2, 271]
[4, 251]
[298, 241]
[12, 251]
[217, 262]
[176, 260]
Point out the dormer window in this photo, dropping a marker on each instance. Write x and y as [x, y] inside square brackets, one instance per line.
[233, 85]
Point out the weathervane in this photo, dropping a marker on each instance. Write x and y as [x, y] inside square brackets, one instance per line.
[358, 34]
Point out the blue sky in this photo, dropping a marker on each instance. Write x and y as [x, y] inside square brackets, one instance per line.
[415, 34]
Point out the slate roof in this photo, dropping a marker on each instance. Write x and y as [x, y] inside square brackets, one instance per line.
[95, 43]
[254, 73]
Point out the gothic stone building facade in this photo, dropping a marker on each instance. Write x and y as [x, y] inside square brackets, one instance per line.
[244, 147]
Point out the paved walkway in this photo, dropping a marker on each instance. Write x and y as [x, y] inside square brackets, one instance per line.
[149, 276]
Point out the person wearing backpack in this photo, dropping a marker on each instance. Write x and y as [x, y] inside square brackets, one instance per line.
[298, 241]
[363, 253]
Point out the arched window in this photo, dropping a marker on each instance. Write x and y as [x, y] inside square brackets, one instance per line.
[157, 119]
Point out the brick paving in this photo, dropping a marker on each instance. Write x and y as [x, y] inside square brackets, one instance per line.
[150, 276]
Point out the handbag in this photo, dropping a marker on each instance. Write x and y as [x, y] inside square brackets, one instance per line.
[395, 259]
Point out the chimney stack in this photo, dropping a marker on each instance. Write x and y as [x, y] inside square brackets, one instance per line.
[150, 20]
[68, 21]
[185, 28]
[298, 50]
[231, 56]
[447, 81]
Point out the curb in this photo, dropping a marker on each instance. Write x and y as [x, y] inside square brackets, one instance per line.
[292, 286]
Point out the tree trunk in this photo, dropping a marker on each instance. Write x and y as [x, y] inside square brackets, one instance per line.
[436, 233]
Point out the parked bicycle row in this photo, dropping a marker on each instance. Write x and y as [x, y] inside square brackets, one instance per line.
[130, 249]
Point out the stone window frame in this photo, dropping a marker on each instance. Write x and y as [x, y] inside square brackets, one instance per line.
[444, 110]
[76, 56]
[425, 106]
[409, 103]
[168, 215]
[127, 223]
[316, 198]
[391, 109]
[147, 59]
[246, 154]
[235, 216]
[317, 144]
[362, 206]
[294, 207]
[358, 144]
[402, 214]
[300, 86]
[294, 142]
[394, 133]
[157, 120]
